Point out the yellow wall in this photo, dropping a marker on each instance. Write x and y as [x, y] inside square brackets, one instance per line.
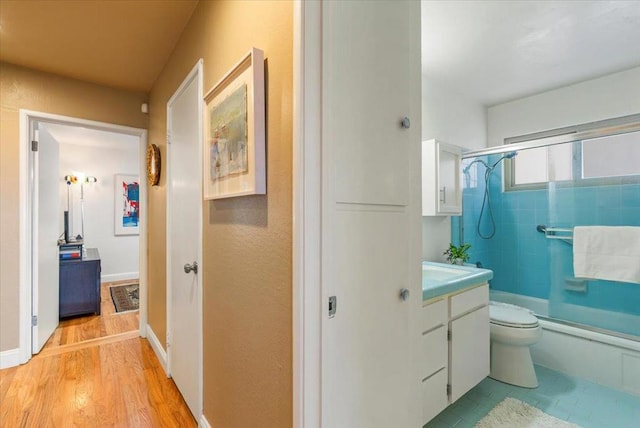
[247, 240]
[22, 88]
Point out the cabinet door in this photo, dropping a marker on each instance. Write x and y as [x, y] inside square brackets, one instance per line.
[441, 191]
[78, 293]
[370, 84]
[370, 216]
[469, 351]
[449, 191]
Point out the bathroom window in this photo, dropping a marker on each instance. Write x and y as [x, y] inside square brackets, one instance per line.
[543, 164]
[611, 156]
[593, 155]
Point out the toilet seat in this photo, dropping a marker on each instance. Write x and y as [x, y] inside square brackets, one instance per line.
[511, 316]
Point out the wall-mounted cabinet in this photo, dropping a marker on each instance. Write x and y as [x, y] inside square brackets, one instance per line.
[441, 184]
[454, 347]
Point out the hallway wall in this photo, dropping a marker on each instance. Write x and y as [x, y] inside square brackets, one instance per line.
[22, 88]
[247, 260]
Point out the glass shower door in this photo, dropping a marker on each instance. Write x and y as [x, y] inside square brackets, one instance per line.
[591, 201]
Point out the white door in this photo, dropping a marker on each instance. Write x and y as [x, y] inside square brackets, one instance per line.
[45, 232]
[371, 213]
[184, 209]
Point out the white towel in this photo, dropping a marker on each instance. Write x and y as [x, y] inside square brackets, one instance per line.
[607, 252]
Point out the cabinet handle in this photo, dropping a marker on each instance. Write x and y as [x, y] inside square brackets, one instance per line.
[404, 294]
[443, 191]
[406, 123]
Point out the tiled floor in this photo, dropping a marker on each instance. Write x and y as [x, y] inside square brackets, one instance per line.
[584, 403]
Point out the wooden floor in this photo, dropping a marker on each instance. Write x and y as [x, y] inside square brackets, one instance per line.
[79, 329]
[92, 374]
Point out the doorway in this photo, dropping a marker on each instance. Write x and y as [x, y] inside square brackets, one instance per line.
[41, 207]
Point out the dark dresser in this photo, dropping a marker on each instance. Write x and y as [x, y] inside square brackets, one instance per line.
[80, 285]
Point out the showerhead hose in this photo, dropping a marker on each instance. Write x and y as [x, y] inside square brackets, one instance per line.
[486, 200]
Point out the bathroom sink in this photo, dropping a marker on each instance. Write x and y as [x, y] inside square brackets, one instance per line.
[442, 278]
[441, 273]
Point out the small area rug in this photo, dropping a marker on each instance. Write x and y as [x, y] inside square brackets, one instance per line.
[125, 297]
[512, 413]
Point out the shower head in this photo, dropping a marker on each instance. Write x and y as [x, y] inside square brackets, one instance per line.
[509, 155]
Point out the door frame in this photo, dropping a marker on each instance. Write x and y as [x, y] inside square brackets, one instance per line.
[27, 236]
[197, 74]
[307, 214]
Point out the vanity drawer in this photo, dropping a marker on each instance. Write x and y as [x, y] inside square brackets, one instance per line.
[468, 300]
[434, 395]
[433, 315]
[433, 351]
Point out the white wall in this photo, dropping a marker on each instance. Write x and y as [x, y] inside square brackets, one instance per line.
[119, 254]
[606, 97]
[450, 117]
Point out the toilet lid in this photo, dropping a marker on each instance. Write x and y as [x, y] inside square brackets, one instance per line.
[512, 316]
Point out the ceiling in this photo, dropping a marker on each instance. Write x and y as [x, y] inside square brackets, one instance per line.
[487, 51]
[496, 51]
[115, 43]
[78, 135]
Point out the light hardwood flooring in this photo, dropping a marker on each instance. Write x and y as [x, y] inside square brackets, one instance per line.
[93, 372]
[79, 329]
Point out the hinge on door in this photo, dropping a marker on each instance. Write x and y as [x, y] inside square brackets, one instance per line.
[34, 145]
[449, 335]
[34, 320]
[448, 389]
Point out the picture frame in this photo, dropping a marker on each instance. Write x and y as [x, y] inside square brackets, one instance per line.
[234, 147]
[126, 204]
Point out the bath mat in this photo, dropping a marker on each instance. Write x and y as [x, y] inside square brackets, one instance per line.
[125, 297]
[511, 413]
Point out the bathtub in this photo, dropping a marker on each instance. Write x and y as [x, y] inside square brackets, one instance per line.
[612, 361]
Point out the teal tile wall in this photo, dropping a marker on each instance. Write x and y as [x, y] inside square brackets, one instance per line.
[523, 260]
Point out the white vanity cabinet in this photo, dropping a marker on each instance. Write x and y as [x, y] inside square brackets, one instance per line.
[454, 347]
[434, 358]
[441, 179]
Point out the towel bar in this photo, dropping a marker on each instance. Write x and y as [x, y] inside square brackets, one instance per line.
[565, 234]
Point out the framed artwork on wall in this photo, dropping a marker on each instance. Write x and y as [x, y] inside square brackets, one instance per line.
[234, 157]
[127, 204]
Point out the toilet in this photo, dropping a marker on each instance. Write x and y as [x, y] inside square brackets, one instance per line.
[513, 331]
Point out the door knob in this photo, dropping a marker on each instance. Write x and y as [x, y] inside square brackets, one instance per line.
[404, 294]
[191, 267]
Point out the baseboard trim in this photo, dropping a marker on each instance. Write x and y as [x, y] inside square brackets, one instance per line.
[10, 358]
[157, 348]
[119, 276]
[204, 423]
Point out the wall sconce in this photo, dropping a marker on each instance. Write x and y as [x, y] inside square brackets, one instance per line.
[76, 177]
